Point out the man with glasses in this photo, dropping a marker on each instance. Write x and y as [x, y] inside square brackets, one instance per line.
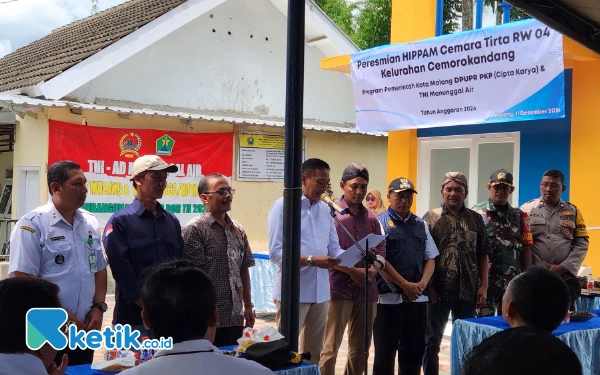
[510, 239]
[219, 246]
[319, 247]
[560, 238]
[139, 236]
[410, 255]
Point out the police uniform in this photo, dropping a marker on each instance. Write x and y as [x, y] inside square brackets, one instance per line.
[559, 237]
[559, 234]
[45, 245]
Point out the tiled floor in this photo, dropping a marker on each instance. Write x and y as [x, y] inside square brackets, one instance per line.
[269, 319]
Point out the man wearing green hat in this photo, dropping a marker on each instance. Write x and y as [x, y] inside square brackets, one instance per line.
[510, 238]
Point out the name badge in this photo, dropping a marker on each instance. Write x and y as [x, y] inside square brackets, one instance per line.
[92, 261]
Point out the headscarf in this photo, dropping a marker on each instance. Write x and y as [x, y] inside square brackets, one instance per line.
[354, 171]
[457, 177]
[379, 206]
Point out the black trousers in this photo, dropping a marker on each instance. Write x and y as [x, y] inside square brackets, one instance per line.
[227, 336]
[76, 357]
[401, 328]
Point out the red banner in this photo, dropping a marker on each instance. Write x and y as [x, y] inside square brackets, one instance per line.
[106, 156]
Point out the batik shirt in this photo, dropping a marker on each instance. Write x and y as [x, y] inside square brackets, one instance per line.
[508, 231]
[222, 252]
[461, 241]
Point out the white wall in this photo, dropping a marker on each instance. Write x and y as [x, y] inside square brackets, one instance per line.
[197, 68]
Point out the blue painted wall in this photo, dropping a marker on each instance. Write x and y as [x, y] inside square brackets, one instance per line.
[545, 144]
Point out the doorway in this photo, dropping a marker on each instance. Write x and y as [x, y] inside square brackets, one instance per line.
[476, 156]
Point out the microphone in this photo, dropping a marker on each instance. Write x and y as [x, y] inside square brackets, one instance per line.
[325, 198]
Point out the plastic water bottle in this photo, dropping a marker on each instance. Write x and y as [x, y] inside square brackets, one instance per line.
[590, 283]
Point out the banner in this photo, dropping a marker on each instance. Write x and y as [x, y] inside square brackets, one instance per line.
[261, 156]
[512, 72]
[106, 156]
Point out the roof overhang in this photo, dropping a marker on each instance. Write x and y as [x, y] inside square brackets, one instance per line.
[23, 105]
[576, 19]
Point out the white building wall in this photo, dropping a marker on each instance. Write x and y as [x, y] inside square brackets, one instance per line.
[237, 68]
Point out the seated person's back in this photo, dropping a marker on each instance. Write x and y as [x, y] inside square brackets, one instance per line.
[17, 296]
[538, 298]
[180, 302]
[521, 351]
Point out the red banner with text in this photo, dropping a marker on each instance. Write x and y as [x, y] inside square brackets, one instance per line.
[106, 156]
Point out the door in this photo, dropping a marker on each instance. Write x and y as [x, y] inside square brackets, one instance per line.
[28, 195]
[476, 156]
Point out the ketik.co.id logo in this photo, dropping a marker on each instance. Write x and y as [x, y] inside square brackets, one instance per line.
[44, 325]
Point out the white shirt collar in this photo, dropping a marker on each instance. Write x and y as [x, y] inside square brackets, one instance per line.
[21, 363]
[189, 346]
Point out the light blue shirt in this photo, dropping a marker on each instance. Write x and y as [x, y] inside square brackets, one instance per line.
[45, 245]
[318, 238]
[22, 364]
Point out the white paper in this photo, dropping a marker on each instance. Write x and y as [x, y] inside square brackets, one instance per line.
[353, 255]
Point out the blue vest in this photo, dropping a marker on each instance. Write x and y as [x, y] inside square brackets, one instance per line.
[405, 247]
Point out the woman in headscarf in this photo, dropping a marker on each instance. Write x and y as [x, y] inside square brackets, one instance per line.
[374, 201]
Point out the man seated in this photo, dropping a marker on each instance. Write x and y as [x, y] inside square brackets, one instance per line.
[521, 351]
[180, 302]
[17, 296]
[538, 298]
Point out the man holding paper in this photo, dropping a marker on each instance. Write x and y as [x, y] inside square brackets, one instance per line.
[319, 249]
[410, 256]
[347, 305]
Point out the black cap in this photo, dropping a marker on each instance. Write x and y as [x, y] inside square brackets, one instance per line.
[501, 176]
[401, 184]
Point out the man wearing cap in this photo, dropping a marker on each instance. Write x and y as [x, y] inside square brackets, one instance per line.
[139, 236]
[560, 238]
[460, 280]
[60, 242]
[347, 305]
[510, 239]
[410, 260]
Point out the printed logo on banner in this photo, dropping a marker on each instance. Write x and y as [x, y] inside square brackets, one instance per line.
[130, 144]
[250, 141]
[164, 145]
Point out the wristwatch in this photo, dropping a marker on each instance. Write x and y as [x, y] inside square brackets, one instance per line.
[101, 305]
[309, 261]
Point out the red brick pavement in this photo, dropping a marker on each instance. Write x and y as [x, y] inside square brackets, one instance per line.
[269, 319]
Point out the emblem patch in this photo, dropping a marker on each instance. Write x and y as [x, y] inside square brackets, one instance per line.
[130, 144]
[501, 175]
[59, 259]
[566, 232]
[391, 223]
[569, 224]
[29, 229]
[164, 145]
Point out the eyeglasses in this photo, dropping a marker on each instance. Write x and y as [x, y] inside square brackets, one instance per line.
[546, 185]
[221, 192]
[370, 199]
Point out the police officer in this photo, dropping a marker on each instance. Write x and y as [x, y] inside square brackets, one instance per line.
[510, 238]
[139, 236]
[60, 242]
[560, 238]
[410, 261]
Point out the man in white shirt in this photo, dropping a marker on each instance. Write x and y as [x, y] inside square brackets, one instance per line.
[319, 248]
[19, 295]
[180, 302]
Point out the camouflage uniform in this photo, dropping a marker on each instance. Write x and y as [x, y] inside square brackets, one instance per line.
[508, 231]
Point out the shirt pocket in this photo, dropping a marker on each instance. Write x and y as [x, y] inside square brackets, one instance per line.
[142, 252]
[175, 248]
[567, 228]
[58, 257]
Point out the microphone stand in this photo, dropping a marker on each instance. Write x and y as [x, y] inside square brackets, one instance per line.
[369, 259]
